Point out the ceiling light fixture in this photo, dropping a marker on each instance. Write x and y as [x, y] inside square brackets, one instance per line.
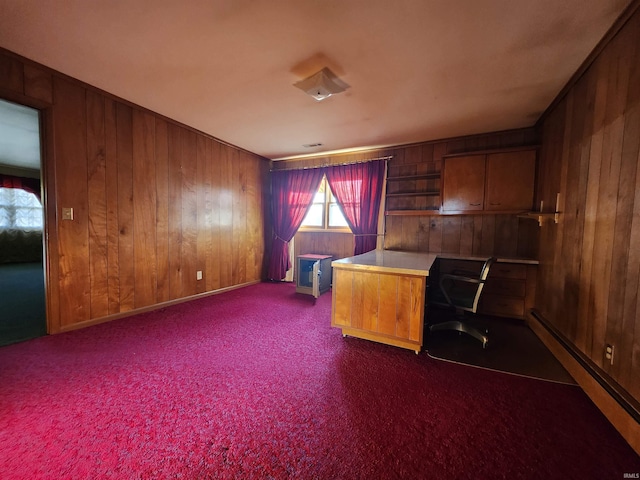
[322, 85]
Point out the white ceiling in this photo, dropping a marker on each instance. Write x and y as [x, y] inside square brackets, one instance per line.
[418, 69]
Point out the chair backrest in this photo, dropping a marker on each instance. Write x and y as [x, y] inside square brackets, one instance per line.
[484, 273]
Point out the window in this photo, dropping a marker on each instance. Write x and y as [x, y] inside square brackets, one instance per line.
[324, 213]
[19, 210]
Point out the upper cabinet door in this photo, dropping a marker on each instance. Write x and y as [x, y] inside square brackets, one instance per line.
[463, 183]
[510, 180]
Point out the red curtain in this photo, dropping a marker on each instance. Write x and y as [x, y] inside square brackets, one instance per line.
[358, 190]
[31, 185]
[292, 192]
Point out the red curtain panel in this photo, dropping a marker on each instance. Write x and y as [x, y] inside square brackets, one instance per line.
[292, 192]
[358, 190]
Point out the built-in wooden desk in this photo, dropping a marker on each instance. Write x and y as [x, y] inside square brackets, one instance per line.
[380, 296]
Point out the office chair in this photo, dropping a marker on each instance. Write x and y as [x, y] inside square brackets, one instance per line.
[462, 293]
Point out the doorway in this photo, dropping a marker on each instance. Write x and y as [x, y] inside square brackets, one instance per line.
[22, 275]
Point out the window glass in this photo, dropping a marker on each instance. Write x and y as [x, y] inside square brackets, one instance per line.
[314, 216]
[325, 211]
[19, 210]
[336, 218]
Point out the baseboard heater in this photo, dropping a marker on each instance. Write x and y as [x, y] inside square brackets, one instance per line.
[629, 404]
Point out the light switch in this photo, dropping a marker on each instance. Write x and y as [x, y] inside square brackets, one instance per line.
[67, 213]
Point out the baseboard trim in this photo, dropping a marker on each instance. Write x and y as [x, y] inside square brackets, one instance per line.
[157, 306]
[614, 404]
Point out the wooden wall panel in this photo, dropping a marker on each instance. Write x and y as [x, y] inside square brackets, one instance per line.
[38, 83]
[214, 263]
[175, 212]
[226, 217]
[11, 74]
[111, 194]
[499, 234]
[96, 184]
[144, 210]
[162, 211]
[153, 202]
[239, 218]
[72, 192]
[203, 240]
[189, 214]
[124, 152]
[588, 284]
[338, 245]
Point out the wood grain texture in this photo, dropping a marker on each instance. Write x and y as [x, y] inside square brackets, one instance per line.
[11, 74]
[96, 184]
[226, 217]
[162, 211]
[463, 183]
[153, 202]
[124, 152]
[588, 285]
[111, 193]
[189, 253]
[377, 305]
[467, 234]
[175, 212]
[71, 185]
[144, 210]
[38, 83]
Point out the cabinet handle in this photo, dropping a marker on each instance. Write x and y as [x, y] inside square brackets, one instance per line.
[474, 204]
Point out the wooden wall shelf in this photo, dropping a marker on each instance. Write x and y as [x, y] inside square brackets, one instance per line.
[431, 193]
[455, 212]
[421, 176]
[413, 212]
[540, 216]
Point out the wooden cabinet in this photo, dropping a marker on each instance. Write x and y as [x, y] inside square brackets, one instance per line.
[495, 182]
[509, 291]
[463, 183]
[510, 179]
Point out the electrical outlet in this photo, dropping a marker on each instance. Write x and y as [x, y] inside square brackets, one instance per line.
[199, 275]
[609, 350]
[67, 213]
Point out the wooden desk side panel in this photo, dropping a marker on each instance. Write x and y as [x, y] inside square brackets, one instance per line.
[387, 304]
[342, 293]
[387, 308]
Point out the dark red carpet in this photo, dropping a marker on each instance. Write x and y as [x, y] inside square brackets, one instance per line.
[254, 383]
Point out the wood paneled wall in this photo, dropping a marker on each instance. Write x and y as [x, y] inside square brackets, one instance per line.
[337, 244]
[482, 235]
[590, 262]
[504, 235]
[154, 202]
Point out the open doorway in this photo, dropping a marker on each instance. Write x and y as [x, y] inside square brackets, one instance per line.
[22, 287]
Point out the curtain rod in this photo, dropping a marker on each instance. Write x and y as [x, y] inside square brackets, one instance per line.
[388, 157]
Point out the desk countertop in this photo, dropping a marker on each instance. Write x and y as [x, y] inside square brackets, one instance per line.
[523, 261]
[411, 263]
